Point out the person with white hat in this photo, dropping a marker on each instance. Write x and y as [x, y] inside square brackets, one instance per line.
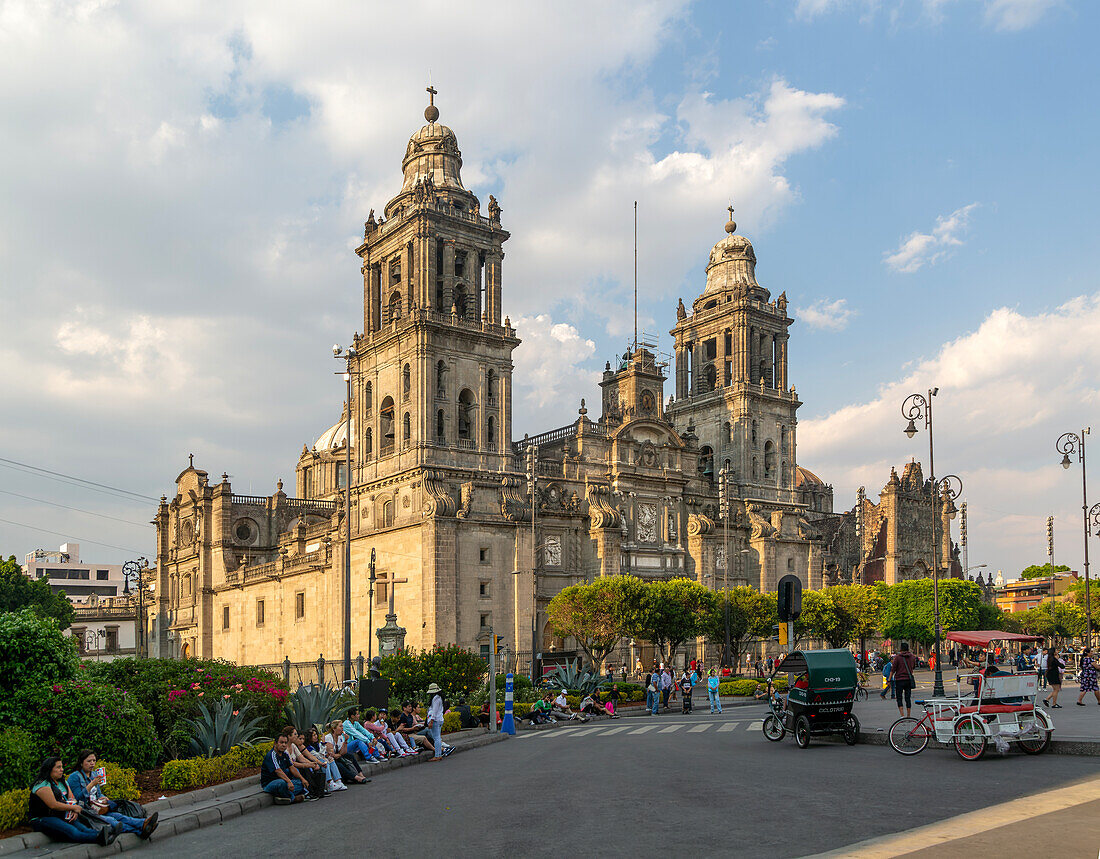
[435, 722]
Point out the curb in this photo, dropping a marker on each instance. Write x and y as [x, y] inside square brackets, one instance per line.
[631, 712]
[1087, 748]
[215, 810]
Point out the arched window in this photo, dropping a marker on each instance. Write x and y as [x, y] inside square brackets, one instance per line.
[460, 301]
[755, 468]
[783, 439]
[368, 444]
[754, 442]
[491, 432]
[728, 431]
[706, 462]
[440, 430]
[406, 430]
[406, 383]
[441, 380]
[783, 474]
[368, 397]
[386, 427]
[387, 514]
[491, 387]
[465, 414]
[769, 459]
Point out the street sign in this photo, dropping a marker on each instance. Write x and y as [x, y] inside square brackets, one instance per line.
[790, 597]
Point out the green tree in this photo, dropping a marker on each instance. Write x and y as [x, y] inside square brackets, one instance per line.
[19, 592]
[909, 613]
[1065, 620]
[33, 652]
[593, 613]
[841, 614]
[667, 613]
[992, 617]
[752, 615]
[1042, 571]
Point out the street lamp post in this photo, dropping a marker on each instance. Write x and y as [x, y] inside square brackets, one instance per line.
[532, 488]
[133, 570]
[724, 503]
[1068, 443]
[1094, 520]
[347, 355]
[919, 407]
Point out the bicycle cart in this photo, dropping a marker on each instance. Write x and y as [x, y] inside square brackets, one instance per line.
[819, 702]
[993, 707]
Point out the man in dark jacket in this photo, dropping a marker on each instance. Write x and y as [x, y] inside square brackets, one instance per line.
[279, 777]
[903, 669]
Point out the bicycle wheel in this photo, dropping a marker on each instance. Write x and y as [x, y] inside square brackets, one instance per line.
[909, 736]
[970, 739]
[851, 731]
[1039, 745]
[773, 728]
[802, 732]
[861, 693]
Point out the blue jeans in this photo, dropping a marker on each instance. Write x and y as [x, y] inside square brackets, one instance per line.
[715, 700]
[651, 701]
[278, 787]
[332, 772]
[64, 830]
[360, 747]
[127, 824]
[437, 738]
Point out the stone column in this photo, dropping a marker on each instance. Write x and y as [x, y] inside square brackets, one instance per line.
[368, 297]
[609, 549]
[493, 262]
[781, 344]
[504, 430]
[376, 296]
[425, 277]
[448, 274]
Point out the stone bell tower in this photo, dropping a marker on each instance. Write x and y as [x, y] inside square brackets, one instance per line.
[731, 376]
[435, 360]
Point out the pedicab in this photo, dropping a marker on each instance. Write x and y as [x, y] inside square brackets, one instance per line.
[819, 702]
[997, 707]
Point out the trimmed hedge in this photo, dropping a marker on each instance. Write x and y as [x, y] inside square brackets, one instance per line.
[121, 781]
[199, 772]
[747, 687]
[19, 758]
[13, 807]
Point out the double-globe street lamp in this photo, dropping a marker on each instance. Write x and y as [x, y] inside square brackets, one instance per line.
[1072, 443]
[919, 407]
[347, 355]
[132, 571]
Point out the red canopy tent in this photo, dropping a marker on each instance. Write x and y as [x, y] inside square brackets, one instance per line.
[982, 637]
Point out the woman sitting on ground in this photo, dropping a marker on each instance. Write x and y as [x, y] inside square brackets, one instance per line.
[313, 745]
[54, 810]
[591, 704]
[336, 747]
[310, 767]
[86, 788]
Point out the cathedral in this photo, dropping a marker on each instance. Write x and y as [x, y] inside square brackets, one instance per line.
[469, 533]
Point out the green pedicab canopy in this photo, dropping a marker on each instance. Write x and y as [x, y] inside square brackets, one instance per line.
[827, 669]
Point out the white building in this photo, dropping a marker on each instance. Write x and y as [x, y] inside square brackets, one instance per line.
[105, 620]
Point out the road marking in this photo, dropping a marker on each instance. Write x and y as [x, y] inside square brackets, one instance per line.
[729, 726]
[755, 726]
[698, 729]
[615, 731]
[670, 729]
[644, 730]
[944, 832]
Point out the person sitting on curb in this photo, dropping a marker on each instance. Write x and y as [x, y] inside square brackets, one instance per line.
[379, 735]
[85, 787]
[485, 714]
[359, 739]
[541, 711]
[336, 745]
[591, 705]
[53, 809]
[392, 737]
[466, 717]
[562, 710]
[311, 741]
[411, 728]
[279, 777]
[308, 765]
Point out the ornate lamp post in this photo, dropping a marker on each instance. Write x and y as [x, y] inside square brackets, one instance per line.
[1094, 520]
[533, 490]
[724, 503]
[919, 407]
[1069, 443]
[347, 355]
[132, 572]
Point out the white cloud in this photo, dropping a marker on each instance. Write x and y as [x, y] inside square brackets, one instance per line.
[826, 315]
[1007, 391]
[551, 361]
[919, 249]
[1012, 15]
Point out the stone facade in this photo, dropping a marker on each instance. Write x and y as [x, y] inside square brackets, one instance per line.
[439, 491]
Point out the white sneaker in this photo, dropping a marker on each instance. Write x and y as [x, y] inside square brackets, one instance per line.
[341, 786]
[330, 786]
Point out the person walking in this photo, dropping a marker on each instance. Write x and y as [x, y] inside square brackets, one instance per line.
[887, 679]
[1041, 667]
[1054, 678]
[652, 693]
[1086, 676]
[435, 722]
[712, 691]
[902, 670]
[666, 686]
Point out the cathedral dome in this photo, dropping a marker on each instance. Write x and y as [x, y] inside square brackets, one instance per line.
[803, 477]
[335, 436]
[732, 264]
[433, 154]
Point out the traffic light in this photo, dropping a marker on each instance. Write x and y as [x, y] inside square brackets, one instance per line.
[775, 631]
[498, 643]
[790, 597]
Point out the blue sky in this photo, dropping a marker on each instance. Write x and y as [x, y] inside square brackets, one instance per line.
[184, 188]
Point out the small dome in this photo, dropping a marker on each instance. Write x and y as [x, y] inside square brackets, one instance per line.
[335, 436]
[805, 477]
[732, 265]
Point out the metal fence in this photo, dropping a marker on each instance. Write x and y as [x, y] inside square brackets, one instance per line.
[320, 671]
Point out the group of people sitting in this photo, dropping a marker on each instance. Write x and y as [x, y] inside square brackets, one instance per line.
[549, 708]
[76, 809]
[304, 767]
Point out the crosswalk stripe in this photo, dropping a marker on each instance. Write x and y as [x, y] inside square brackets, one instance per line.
[698, 729]
[670, 729]
[729, 726]
[644, 730]
[755, 726]
[615, 731]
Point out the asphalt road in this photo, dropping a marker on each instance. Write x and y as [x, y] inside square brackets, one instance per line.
[686, 784]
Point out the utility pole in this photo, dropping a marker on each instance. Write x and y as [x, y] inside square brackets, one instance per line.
[532, 488]
[1050, 562]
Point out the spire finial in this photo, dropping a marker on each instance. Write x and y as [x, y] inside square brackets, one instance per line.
[731, 224]
[431, 112]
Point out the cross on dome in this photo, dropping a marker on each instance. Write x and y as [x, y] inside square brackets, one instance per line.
[731, 224]
[431, 112]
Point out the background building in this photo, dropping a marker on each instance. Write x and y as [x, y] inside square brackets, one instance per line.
[1028, 593]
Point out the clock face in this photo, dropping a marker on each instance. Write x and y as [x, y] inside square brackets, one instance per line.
[647, 401]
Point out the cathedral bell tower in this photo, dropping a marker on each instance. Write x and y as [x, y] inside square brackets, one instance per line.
[731, 376]
[434, 362]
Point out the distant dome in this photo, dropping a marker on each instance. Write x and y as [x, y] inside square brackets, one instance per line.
[732, 265]
[805, 477]
[433, 152]
[335, 436]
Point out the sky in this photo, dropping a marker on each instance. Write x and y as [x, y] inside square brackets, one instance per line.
[184, 186]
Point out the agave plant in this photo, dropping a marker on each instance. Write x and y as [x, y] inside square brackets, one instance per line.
[314, 705]
[216, 733]
[570, 676]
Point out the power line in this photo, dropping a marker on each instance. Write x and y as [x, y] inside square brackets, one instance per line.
[77, 509]
[70, 536]
[68, 478]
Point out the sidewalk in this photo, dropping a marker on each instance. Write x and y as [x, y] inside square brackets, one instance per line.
[210, 806]
[1072, 724]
